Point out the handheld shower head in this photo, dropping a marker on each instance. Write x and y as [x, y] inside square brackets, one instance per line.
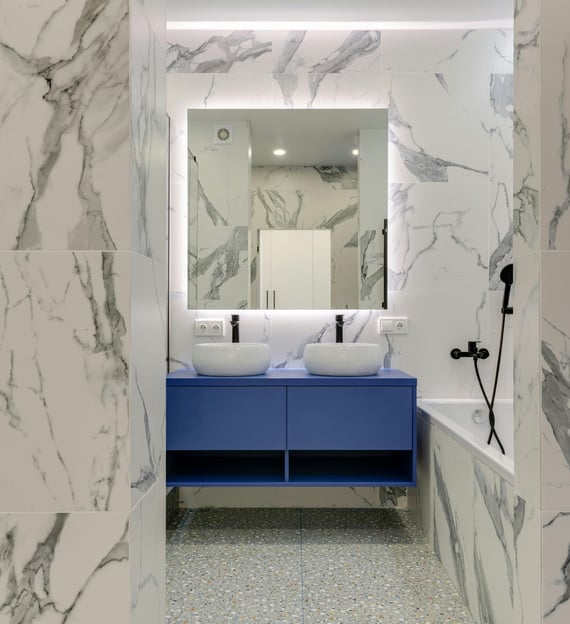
[506, 276]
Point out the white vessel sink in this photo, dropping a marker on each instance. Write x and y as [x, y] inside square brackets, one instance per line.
[351, 358]
[231, 359]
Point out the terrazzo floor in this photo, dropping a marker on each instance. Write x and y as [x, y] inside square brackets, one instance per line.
[305, 566]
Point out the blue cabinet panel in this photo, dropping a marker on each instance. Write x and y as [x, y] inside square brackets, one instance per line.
[225, 419]
[350, 418]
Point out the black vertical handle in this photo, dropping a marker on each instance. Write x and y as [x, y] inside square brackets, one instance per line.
[385, 235]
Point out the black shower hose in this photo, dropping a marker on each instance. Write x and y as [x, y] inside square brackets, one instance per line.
[490, 405]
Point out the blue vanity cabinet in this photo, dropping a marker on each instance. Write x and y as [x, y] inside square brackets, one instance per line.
[289, 428]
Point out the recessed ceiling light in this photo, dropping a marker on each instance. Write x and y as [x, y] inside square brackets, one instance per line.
[279, 152]
[355, 152]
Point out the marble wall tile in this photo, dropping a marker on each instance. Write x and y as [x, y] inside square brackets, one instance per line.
[501, 128]
[350, 497]
[527, 378]
[147, 370]
[224, 90]
[322, 52]
[291, 330]
[442, 325]
[476, 526]
[447, 51]
[526, 127]
[47, 578]
[419, 151]
[554, 120]
[222, 268]
[279, 51]
[64, 113]
[494, 554]
[147, 557]
[66, 429]
[239, 51]
[555, 563]
[500, 231]
[441, 240]
[340, 90]
[155, 12]
[454, 538]
[528, 569]
[555, 352]
[148, 137]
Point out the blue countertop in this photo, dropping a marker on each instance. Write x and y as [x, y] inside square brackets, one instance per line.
[291, 377]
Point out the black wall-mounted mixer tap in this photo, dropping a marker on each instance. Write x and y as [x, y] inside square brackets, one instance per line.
[472, 352]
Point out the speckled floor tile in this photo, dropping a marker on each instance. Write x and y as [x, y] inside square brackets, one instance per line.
[290, 566]
[229, 567]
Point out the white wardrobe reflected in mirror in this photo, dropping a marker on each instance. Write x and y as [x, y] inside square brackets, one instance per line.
[295, 269]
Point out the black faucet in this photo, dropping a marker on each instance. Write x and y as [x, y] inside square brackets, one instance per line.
[472, 352]
[235, 327]
[339, 321]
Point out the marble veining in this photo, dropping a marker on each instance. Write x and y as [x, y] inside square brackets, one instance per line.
[148, 140]
[556, 567]
[220, 52]
[454, 535]
[498, 508]
[555, 393]
[563, 154]
[484, 599]
[37, 556]
[501, 235]
[77, 94]
[66, 424]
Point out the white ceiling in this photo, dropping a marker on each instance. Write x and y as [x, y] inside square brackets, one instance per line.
[310, 136]
[342, 10]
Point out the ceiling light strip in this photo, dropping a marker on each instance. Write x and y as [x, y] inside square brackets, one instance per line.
[286, 25]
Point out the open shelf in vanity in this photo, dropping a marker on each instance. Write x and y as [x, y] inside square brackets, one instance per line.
[289, 428]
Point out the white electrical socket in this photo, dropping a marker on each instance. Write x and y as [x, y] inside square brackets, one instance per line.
[209, 327]
[393, 325]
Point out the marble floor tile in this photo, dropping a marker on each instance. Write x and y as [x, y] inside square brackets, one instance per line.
[309, 566]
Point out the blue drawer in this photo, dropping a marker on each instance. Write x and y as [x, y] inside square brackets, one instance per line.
[350, 418]
[225, 418]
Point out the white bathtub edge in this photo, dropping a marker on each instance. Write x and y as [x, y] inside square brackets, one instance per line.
[500, 465]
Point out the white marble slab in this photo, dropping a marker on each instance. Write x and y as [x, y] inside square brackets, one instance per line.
[527, 135]
[147, 557]
[419, 151]
[555, 352]
[65, 437]
[438, 240]
[148, 137]
[528, 569]
[330, 497]
[64, 113]
[527, 378]
[447, 51]
[146, 384]
[494, 554]
[47, 578]
[500, 231]
[554, 119]
[454, 539]
[555, 581]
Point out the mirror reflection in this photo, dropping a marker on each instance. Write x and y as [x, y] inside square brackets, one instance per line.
[286, 208]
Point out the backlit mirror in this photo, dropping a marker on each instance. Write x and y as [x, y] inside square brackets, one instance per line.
[287, 208]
